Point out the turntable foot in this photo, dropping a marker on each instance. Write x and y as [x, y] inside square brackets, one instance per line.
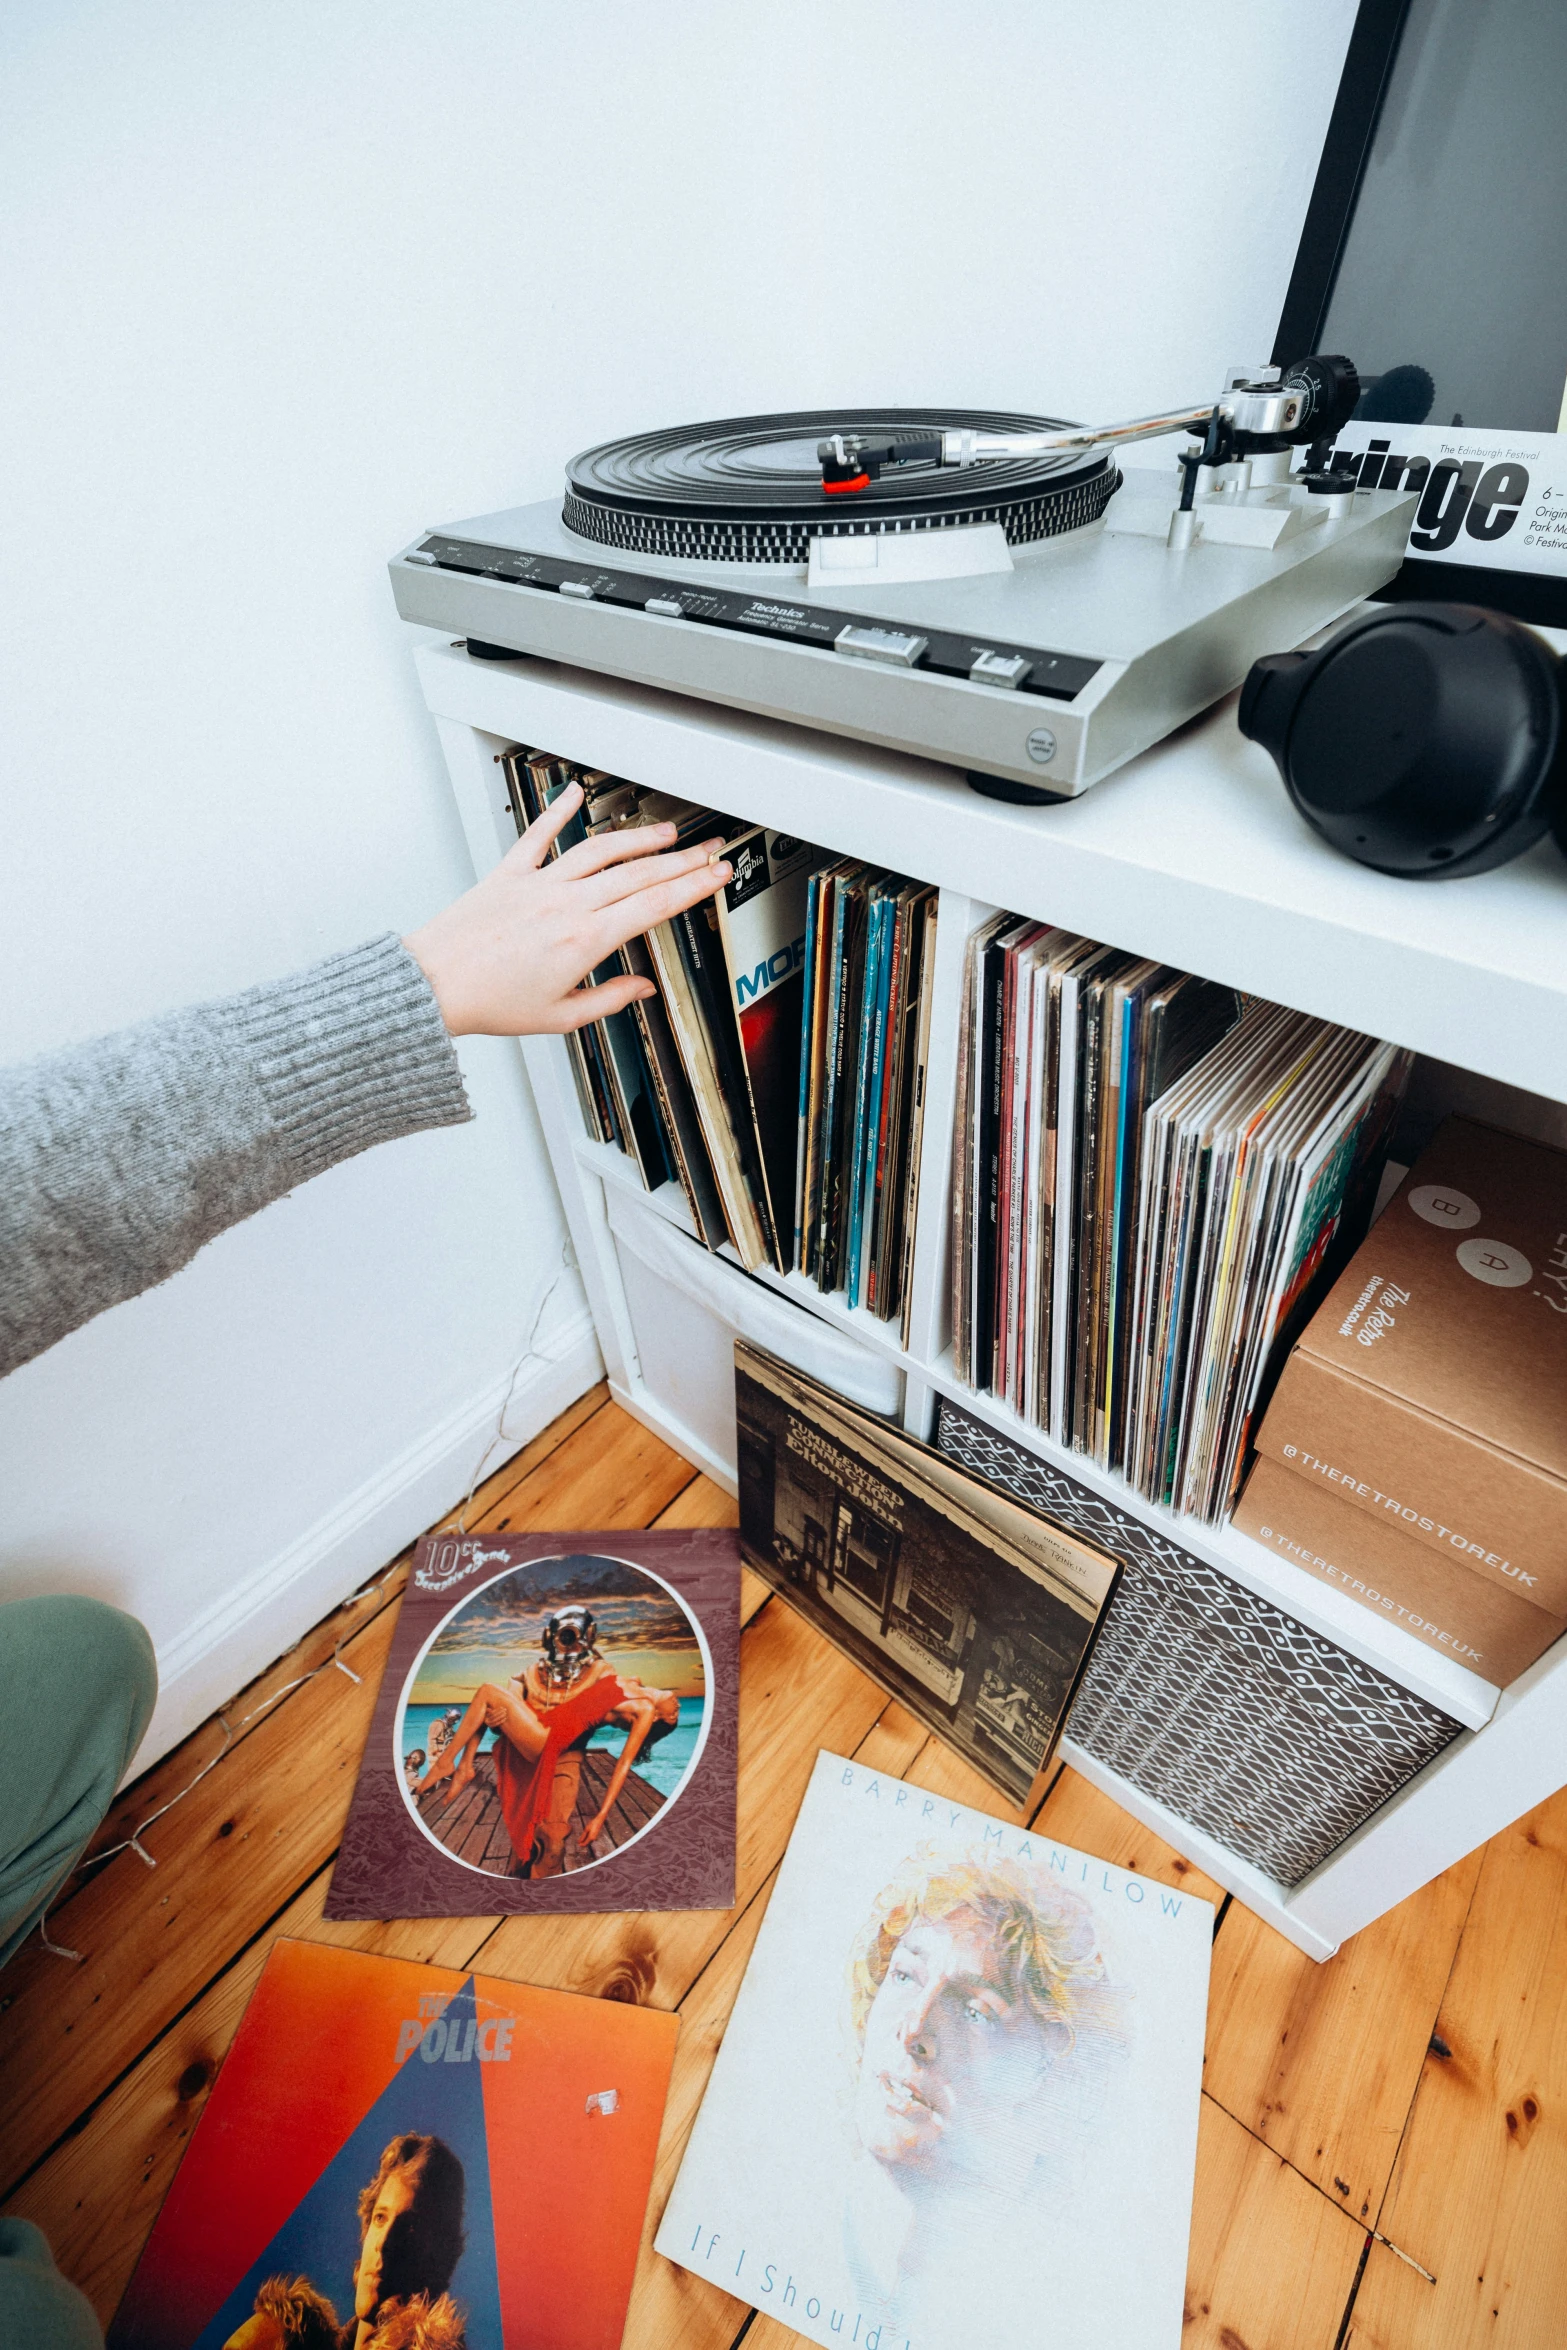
[483, 652]
[1023, 795]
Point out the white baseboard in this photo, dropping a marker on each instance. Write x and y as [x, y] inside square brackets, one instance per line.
[257, 1619]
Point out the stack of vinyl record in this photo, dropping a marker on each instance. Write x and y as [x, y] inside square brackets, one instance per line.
[776, 1073]
[1151, 1182]
[869, 958]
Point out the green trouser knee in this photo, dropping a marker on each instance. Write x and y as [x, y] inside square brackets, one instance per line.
[77, 1685]
[38, 2309]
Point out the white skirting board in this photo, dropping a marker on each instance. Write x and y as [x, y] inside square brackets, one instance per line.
[256, 1620]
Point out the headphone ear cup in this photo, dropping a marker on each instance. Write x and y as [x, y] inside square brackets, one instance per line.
[1425, 740]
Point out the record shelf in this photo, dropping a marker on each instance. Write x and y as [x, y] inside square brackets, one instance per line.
[1190, 855]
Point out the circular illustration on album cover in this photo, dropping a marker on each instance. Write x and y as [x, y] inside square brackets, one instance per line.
[553, 1716]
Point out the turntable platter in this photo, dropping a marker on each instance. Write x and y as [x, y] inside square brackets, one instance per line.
[749, 489]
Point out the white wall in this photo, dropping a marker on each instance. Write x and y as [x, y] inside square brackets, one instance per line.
[292, 279]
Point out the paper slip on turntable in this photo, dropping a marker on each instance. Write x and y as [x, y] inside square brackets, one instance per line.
[987, 591]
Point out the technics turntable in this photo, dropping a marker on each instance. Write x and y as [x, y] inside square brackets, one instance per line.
[981, 590]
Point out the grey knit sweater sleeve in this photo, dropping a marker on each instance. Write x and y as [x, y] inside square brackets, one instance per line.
[119, 1158]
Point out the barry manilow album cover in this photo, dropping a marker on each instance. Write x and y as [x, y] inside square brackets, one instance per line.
[406, 2157]
[993, 2050]
[556, 1730]
[978, 1613]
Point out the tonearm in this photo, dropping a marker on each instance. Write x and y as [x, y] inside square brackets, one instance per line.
[1259, 409]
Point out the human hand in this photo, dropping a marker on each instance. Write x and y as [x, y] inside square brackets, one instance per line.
[509, 958]
[589, 1835]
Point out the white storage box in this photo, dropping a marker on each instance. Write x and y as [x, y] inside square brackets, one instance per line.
[687, 1307]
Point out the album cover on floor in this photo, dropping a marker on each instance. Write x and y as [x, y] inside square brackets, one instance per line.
[978, 1613]
[992, 2046]
[418, 2149]
[555, 1730]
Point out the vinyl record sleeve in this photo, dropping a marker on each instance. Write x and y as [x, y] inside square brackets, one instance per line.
[914, 1133]
[544, 2110]
[761, 916]
[882, 1140]
[694, 1045]
[883, 1280]
[693, 1164]
[810, 1055]
[957, 2101]
[869, 1071]
[667, 1606]
[978, 1614]
[695, 933]
[844, 1100]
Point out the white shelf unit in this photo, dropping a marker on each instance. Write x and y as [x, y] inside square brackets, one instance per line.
[1191, 854]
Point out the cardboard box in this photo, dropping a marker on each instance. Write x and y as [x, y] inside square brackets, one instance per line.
[1467, 1617]
[1430, 1389]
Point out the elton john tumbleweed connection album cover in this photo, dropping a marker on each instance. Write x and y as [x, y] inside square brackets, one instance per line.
[407, 2157]
[556, 1730]
[992, 2046]
[975, 1611]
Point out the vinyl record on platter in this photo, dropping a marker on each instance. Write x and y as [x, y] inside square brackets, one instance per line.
[749, 489]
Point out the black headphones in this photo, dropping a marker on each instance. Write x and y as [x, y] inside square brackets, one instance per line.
[1424, 739]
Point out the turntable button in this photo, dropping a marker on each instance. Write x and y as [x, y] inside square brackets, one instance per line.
[665, 607]
[576, 587]
[881, 644]
[999, 669]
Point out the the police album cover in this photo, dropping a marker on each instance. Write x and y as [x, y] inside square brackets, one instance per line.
[405, 2157]
[556, 1730]
[992, 2046]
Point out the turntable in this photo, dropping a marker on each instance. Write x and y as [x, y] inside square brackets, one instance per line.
[988, 591]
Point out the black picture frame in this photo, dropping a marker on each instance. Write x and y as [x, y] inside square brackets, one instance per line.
[1373, 50]
[1368, 67]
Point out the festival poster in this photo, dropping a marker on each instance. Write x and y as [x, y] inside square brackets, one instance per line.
[992, 2051]
[556, 1730]
[406, 2157]
[1487, 498]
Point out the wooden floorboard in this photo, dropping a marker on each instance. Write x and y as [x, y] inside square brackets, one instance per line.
[701, 1504]
[1076, 1813]
[1417, 2083]
[1322, 2061]
[614, 1473]
[1272, 2261]
[1479, 2190]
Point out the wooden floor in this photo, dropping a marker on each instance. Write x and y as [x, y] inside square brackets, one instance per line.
[1415, 2086]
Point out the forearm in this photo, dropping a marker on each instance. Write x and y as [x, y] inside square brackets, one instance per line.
[120, 1158]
